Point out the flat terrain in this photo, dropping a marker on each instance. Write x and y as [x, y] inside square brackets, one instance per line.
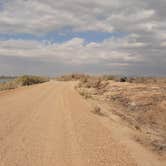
[52, 125]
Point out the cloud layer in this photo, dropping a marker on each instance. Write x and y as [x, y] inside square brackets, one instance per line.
[142, 50]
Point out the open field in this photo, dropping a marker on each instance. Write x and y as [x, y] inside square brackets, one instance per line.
[51, 124]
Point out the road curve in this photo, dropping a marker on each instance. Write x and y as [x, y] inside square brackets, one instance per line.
[51, 125]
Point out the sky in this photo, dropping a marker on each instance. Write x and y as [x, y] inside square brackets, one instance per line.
[49, 37]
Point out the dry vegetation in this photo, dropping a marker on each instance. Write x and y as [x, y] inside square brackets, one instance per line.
[22, 81]
[141, 102]
[72, 77]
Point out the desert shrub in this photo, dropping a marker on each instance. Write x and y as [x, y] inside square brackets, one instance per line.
[97, 110]
[109, 77]
[123, 79]
[94, 82]
[72, 77]
[8, 85]
[85, 94]
[22, 81]
[84, 79]
[30, 80]
[145, 80]
[64, 78]
[115, 78]
[91, 82]
[134, 79]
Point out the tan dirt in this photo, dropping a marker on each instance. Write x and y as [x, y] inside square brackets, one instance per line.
[52, 125]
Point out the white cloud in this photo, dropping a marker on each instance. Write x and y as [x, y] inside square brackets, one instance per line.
[143, 23]
[74, 51]
[42, 16]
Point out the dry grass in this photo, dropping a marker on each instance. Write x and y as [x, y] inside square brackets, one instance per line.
[142, 105]
[85, 94]
[72, 77]
[22, 81]
[93, 82]
[8, 85]
[30, 80]
[144, 80]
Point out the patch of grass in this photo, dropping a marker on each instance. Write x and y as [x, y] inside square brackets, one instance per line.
[22, 81]
[8, 85]
[86, 78]
[85, 94]
[156, 145]
[109, 77]
[93, 82]
[72, 77]
[135, 79]
[30, 80]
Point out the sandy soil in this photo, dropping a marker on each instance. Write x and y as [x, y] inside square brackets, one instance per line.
[52, 125]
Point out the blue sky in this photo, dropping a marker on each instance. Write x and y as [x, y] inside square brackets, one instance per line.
[52, 37]
[65, 35]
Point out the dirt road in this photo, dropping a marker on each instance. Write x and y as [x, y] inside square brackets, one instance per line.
[51, 125]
